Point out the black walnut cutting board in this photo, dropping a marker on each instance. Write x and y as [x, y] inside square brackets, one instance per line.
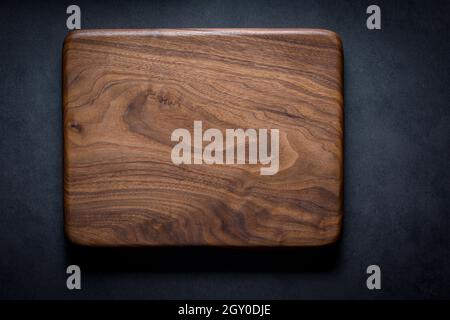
[126, 91]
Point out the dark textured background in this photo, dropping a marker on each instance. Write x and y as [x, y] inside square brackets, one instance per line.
[397, 155]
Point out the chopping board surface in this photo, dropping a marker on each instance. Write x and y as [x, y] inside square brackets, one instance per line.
[225, 137]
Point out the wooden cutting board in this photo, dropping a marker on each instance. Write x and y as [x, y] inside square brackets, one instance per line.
[125, 94]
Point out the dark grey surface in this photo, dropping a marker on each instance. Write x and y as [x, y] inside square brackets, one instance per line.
[397, 155]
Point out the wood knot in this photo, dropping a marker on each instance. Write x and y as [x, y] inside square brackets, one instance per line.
[166, 100]
[75, 126]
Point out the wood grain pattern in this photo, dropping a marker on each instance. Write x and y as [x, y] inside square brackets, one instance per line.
[125, 91]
